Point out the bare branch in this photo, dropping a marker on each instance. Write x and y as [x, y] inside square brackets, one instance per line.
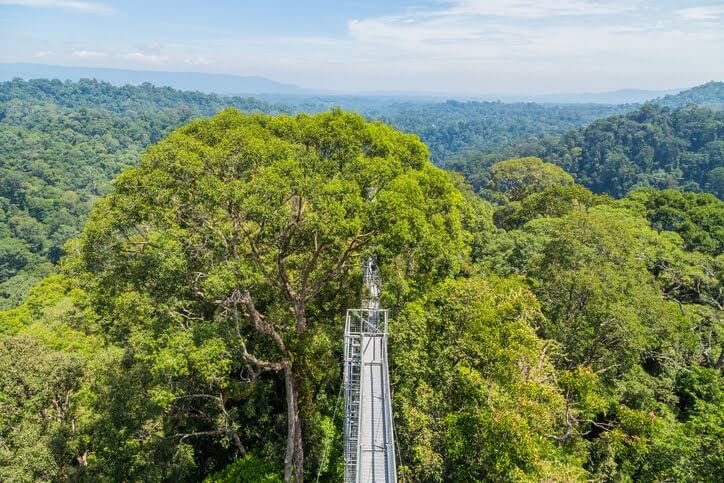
[356, 243]
[259, 363]
[304, 276]
[259, 321]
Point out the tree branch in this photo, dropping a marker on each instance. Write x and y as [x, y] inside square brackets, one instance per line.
[355, 244]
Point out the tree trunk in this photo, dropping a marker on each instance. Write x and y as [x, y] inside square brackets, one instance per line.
[289, 458]
[294, 457]
[300, 316]
[298, 447]
[720, 362]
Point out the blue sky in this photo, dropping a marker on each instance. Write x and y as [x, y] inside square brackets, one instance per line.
[448, 46]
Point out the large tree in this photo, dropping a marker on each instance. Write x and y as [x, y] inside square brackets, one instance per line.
[517, 178]
[229, 254]
[476, 397]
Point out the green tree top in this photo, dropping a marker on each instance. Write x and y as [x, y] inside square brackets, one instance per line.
[245, 228]
[518, 178]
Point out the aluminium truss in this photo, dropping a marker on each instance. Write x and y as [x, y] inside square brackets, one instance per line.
[369, 448]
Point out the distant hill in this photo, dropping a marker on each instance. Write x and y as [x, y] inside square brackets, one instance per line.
[290, 94]
[190, 81]
[452, 128]
[622, 96]
[709, 95]
[364, 101]
[652, 146]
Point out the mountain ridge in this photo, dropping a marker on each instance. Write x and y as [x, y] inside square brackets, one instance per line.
[710, 94]
[232, 84]
[195, 81]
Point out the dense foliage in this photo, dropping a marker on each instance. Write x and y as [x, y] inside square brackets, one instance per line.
[244, 229]
[697, 217]
[456, 128]
[61, 144]
[194, 332]
[453, 128]
[709, 95]
[540, 330]
[650, 147]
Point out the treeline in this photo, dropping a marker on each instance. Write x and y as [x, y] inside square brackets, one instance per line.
[550, 334]
[456, 128]
[453, 128]
[649, 147]
[61, 144]
[129, 100]
[709, 95]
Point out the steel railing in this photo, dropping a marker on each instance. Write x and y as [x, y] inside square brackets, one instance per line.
[368, 447]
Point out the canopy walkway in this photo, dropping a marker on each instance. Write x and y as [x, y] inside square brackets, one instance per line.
[369, 447]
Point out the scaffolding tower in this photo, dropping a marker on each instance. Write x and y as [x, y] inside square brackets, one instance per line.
[369, 447]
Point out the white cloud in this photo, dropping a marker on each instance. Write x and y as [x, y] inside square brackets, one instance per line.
[480, 21]
[44, 53]
[551, 44]
[197, 60]
[536, 8]
[462, 46]
[523, 29]
[78, 5]
[147, 58]
[702, 14]
[89, 54]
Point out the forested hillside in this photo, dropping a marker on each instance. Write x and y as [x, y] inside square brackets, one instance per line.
[61, 144]
[649, 147]
[709, 95]
[453, 128]
[132, 101]
[194, 332]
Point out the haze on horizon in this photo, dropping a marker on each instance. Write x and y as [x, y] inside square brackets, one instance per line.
[450, 46]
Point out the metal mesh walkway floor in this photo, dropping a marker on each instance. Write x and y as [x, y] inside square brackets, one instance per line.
[369, 442]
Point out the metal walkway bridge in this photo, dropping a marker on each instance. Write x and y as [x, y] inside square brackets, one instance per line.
[369, 447]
